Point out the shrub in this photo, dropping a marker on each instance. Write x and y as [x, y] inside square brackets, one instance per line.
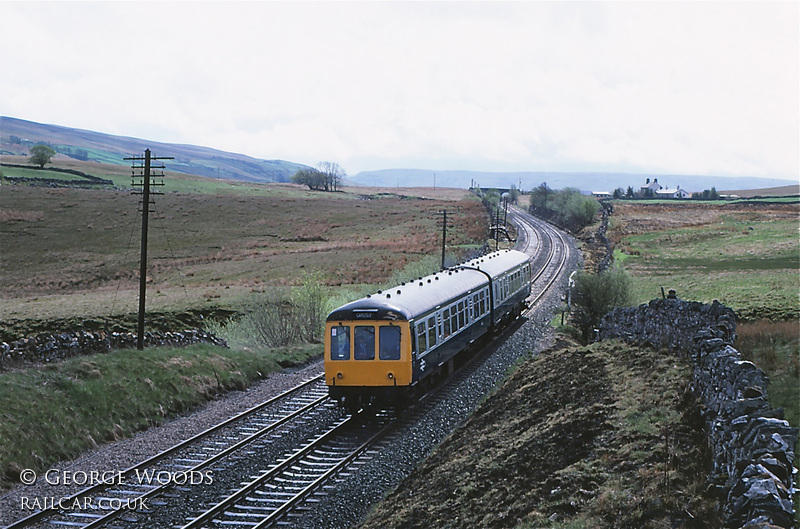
[568, 207]
[280, 317]
[594, 295]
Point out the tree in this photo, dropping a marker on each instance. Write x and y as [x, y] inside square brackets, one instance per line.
[539, 196]
[333, 173]
[312, 178]
[327, 177]
[309, 300]
[629, 193]
[41, 154]
[594, 295]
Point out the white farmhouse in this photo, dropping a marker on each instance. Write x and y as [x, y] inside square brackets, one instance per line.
[653, 186]
[672, 193]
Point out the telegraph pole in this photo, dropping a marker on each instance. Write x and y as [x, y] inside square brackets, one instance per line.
[144, 165]
[444, 234]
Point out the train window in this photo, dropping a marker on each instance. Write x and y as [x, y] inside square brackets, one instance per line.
[454, 318]
[431, 331]
[446, 317]
[460, 314]
[364, 342]
[422, 342]
[389, 343]
[340, 343]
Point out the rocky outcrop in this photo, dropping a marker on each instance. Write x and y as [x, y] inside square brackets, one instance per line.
[49, 348]
[752, 446]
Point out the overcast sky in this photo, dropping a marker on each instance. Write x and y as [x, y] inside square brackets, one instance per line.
[661, 87]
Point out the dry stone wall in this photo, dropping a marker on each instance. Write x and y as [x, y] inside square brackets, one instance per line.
[752, 446]
[49, 348]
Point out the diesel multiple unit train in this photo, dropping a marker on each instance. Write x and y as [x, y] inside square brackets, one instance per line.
[388, 346]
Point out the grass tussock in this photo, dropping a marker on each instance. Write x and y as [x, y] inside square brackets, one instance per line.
[775, 348]
[54, 412]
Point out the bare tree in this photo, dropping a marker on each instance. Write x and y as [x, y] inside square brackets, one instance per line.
[334, 174]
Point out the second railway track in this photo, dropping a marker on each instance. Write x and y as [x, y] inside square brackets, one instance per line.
[131, 493]
[298, 480]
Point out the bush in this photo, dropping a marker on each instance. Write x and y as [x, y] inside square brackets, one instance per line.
[594, 295]
[280, 317]
[567, 207]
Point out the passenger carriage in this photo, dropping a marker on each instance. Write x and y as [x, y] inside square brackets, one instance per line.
[386, 346]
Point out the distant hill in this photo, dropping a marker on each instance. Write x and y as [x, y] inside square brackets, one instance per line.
[783, 191]
[17, 136]
[586, 182]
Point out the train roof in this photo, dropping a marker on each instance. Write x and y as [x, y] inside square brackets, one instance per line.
[417, 297]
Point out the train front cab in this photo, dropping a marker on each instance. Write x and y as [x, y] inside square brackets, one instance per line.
[367, 361]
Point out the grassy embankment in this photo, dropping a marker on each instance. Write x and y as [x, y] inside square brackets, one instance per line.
[70, 257]
[599, 436]
[747, 256]
[54, 412]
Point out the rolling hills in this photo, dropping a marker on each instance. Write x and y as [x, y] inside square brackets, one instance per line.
[17, 136]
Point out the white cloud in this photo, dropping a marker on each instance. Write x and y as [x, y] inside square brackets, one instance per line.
[657, 86]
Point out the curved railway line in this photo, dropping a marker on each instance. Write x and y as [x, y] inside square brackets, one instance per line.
[292, 481]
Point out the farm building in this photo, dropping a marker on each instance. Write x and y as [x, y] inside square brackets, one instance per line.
[672, 193]
[653, 186]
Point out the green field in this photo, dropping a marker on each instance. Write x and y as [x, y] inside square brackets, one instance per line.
[746, 256]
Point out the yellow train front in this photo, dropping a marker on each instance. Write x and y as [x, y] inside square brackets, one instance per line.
[385, 347]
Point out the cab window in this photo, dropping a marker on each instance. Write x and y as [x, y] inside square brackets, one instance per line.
[364, 342]
[340, 343]
[389, 343]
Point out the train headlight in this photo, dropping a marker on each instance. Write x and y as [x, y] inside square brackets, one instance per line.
[390, 375]
[339, 375]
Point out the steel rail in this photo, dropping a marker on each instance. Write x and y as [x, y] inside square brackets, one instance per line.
[551, 233]
[213, 459]
[88, 491]
[287, 464]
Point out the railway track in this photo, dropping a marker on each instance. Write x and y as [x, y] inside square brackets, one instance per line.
[294, 482]
[276, 493]
[129, 494]
[547, 246]
[279, 489]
